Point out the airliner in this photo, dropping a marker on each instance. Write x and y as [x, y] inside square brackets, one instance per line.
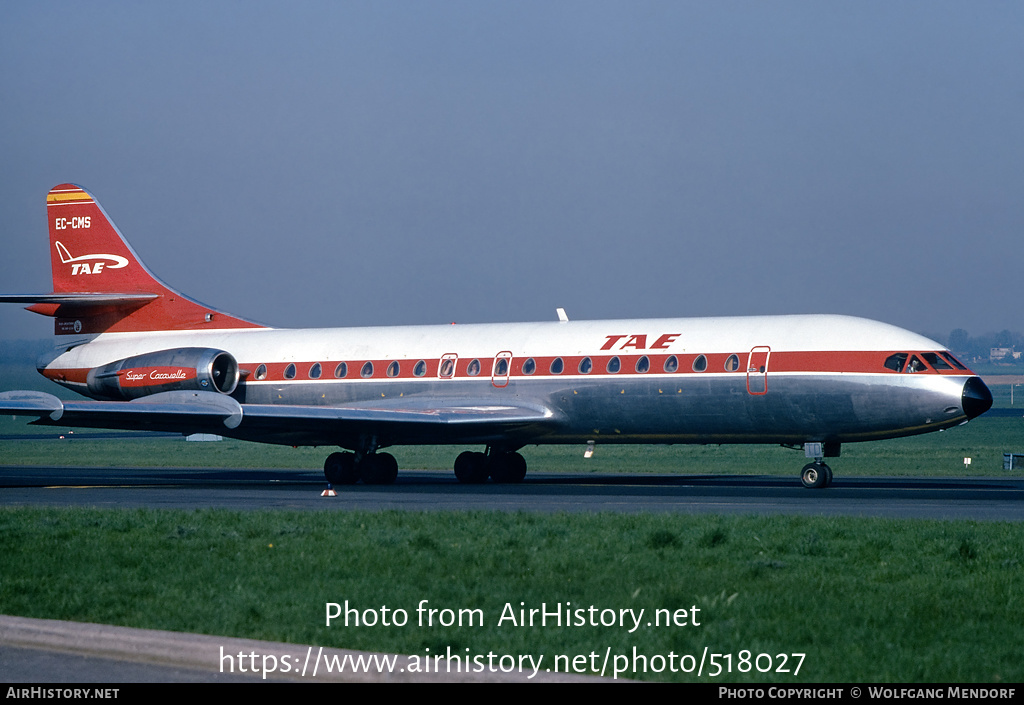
[147, 357]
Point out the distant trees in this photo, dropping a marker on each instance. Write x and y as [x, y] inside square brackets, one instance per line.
[959, 340]
[979, 348]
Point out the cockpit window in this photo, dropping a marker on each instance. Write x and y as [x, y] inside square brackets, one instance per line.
[956, 363]
[896, 362]
[936, 362]
[915, 365]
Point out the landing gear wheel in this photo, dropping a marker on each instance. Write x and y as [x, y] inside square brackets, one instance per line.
[815, 475]
[471, 468]
[828, 476]
[508, 468]
[378, 469]
[340, 469]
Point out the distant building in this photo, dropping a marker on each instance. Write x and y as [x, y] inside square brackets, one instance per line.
[1003, 354]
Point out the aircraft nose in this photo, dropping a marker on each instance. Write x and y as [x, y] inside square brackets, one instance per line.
[976, 398]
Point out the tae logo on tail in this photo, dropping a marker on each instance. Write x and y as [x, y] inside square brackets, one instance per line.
[88, 264]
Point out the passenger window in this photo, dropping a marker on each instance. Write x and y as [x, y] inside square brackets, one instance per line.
[341, 370]
[916, 365]
[447, 368]
[614, 365]
[585, 366]
[529, 367]
[367, 370]
[500, 370]
[672, 363]
[393, 369]
[557, 366]
[474, 368]
[261, 372]
[643, 364]
[936, 362]
[896, 362]
[700, 364]
[420, 369]
[289, 372]
[732, 363]
[315, 371]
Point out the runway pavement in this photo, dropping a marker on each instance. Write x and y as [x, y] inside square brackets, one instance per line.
[987, 498]
[52, 651]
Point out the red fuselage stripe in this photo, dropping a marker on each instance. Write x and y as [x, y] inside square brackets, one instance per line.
[830, 362]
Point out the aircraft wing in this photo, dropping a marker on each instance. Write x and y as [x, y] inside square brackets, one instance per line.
[397, 422]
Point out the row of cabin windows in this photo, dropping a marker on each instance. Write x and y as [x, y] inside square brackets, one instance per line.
[341, 371]
[901, 362]
[447, 368]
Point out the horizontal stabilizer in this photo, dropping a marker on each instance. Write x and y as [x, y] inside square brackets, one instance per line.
[78, 299]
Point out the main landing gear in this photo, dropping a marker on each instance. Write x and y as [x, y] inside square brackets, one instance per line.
[474, 468]
[372, 469]
[504, 467]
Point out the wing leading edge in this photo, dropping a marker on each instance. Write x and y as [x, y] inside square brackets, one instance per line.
[346, 426]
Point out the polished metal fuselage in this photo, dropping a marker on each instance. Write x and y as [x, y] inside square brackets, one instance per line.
[822, 403]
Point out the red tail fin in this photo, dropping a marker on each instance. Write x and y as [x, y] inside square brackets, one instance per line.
[89, 255]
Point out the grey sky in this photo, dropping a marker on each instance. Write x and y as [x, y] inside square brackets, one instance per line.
[357, 163]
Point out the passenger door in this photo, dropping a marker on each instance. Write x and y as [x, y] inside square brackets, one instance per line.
[757, 369]
[501, 369]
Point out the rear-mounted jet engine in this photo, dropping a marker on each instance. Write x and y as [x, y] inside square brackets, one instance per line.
[167, 370]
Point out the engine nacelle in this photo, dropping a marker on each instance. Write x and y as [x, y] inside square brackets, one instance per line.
[164, 371]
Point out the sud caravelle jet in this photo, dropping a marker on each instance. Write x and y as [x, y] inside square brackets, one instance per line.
[150, 358]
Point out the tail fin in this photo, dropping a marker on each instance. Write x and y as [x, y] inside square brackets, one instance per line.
[99, 283]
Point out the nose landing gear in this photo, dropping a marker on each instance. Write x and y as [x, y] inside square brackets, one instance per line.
[816, 475]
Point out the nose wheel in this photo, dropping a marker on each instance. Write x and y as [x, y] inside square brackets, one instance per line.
[816, 475]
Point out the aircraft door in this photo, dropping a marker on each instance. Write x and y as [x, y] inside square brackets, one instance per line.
[501, 369]
[757, 369]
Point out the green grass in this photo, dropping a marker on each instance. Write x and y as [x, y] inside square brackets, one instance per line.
[865, 600]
